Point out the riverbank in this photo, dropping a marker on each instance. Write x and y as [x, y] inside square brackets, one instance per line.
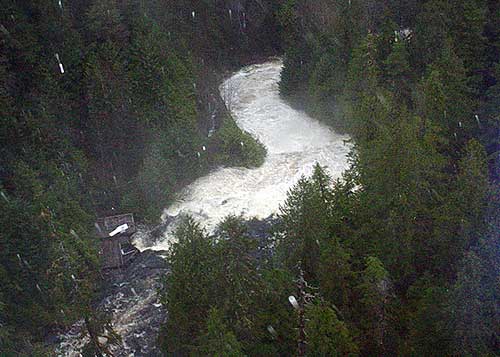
[131, 297]
[294, 142]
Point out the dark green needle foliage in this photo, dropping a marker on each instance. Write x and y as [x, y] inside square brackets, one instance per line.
[100, 113]
[219, 341]
[107, 106]
[402, 252]
[419, 100]
[326, 334]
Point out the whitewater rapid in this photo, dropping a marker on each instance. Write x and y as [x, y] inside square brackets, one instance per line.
[294, 142]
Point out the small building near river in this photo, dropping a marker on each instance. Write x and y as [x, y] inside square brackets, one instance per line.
[115, 234]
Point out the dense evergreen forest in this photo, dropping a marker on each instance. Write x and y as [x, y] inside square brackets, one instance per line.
[106, 107]
[112, 106]
[401, 256]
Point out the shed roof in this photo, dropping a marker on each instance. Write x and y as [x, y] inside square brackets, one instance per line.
[107, 224]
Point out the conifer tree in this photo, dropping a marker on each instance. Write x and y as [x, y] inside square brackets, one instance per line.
[398, 73]
[219, 341]
[238, 282]
[489, 122]
[473, 310]
[472, 183]
[189, 289]
[275, 322]
[306, 223]
[364, 101]
[375, 291]
[431, 31]
[429, 333]
[335, 275]
[5, 341]
[295, 73]
[457, 117]
[326, 334]
[467, 28]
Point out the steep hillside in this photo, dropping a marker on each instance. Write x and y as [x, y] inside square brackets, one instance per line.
[106, 106]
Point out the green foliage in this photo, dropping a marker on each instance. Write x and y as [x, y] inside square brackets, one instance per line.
[317, 53]
[336, 275]
[427, 320]
[461, 21]
[237, 147]
[289, 21]
[219, 341]
[456, 115]
[5, 338]
[189, 287]
[121, 128]
[472, 183]
[274, 311]
[305, 223]
[39, 259]
[397, 71]
[490, 115]
[415, 85]
[42, 202]
[431, 31]
[326, 334]
[105, 22]
[237, 282]
[375, 292]
[222, 273]
[401, 175]
[473, 309]
[363, 100]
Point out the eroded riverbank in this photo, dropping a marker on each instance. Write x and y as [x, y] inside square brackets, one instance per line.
[294, 142]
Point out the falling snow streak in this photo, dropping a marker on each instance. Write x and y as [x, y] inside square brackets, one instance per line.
[294, 141]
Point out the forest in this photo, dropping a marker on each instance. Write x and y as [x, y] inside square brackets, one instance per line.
[113, 106]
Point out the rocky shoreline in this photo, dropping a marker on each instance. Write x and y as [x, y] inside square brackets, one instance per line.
[131, 296]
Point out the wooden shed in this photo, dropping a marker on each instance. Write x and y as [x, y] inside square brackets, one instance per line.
[115, 233]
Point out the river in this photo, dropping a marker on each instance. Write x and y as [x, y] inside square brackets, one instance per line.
[294, 142]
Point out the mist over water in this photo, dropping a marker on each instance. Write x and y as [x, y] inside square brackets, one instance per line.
[294, 142]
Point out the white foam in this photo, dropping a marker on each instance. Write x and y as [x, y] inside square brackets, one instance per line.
[294, 142]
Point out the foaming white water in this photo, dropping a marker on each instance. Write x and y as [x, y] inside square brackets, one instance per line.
[294, 142]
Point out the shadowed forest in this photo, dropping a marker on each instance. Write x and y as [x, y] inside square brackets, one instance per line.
[113, 106]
